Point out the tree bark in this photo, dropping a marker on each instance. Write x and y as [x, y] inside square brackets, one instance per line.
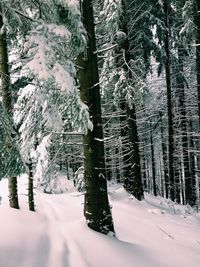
[13, 195]
[135, 186]
[7, 102]
[30, 187]
[169, 102]
[96, 206]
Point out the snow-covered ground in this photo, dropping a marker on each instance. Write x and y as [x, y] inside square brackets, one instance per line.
[151, 233]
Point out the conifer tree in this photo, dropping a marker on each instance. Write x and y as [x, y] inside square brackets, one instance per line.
[7, 100]
[96, 207]
[197, 41]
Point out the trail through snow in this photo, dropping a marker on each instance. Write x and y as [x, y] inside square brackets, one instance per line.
[151, 233]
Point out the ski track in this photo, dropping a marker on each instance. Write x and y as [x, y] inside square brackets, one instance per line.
[63, 248]
[147, 234]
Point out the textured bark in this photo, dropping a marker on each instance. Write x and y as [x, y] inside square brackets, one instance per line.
[169, 102]
[134, 186]
[4, 71]
[13, 196]
[7, 102]
[96, 206]
[30, 188]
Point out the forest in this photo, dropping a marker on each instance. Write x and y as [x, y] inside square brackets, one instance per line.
[100, 99]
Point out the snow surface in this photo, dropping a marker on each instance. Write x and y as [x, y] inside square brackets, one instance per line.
[151, 233]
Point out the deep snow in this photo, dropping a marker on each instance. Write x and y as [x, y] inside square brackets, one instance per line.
[151, 233]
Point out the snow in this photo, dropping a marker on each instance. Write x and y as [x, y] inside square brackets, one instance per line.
[151, 233]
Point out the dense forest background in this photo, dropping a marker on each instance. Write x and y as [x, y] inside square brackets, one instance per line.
[107, 88]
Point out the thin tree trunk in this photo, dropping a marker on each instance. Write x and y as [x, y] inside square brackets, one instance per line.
[197, 24]
[189, 178]
[164, 154]
[30, 188]
[192, 155]
[169, 103]
[153, 160]
[7, 102]
[96, 206]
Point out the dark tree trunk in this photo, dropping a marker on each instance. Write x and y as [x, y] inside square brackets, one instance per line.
[164, 154]
[153, 160]
[133, 178]
[7, 102]
[13, 195]
[134, 185]
[197, 24]
[177, 169]
[144, 173]
[190, 195]
[192, 156]
[169, 102]
[30, 187]
[125, 142]
[96, 207]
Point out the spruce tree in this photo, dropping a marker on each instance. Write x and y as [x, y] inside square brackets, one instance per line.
[96, 207]
[7, 101]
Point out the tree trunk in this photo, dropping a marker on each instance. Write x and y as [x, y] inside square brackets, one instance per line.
[164, 154]
[30, 187]
[153, 161]
[7, 102]
[96, 206]
[197, 24]
[169, 103]
[192, 156]
[133, 180]
[125, 142]
[135, 186]
[13, 196]
[190, 194]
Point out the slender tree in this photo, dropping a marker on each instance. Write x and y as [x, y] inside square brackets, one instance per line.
[197, 24]
[7, 101]
[166, 7]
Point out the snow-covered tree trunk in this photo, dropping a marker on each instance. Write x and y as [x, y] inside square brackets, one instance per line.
[96, 208]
